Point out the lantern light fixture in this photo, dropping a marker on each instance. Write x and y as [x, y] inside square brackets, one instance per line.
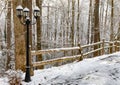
[26, 12]
[36, 12]
[19, 11]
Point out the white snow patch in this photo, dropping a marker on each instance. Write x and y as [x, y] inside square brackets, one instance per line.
[102, 70]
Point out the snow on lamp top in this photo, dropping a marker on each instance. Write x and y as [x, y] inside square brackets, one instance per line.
[26, 12]
[36, 12]
[19, 10]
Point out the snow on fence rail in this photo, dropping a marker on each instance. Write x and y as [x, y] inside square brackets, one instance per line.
[53, 50]
[110, 46]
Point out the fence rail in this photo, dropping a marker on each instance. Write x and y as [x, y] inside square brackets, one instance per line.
[109, 46]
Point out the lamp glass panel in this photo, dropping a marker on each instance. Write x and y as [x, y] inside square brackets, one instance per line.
[19, 13]
[26, 13]
[36, 13]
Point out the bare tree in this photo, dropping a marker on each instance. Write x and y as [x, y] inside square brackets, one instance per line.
[72, 26]
[8, 34]
[96, 26]
[112, 21]
[89, 22]
[39, 31]
[78, 21]
[105, 22]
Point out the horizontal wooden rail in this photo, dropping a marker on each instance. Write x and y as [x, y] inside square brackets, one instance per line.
[46, 62]
[76, 57]
[92, 51]
[118, 41]
[53, 50]
[61, 49]
[108, 42]
[85, 46]
[118, 46]
[109, 45]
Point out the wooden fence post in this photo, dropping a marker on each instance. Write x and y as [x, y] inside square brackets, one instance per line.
[103, 47]
[116, 45]
[111, 48]
[31, 65]
[80, 50]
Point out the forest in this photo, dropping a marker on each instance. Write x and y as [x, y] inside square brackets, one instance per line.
[59, 25]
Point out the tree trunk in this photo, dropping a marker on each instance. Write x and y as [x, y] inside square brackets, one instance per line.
[39, 31]
[92, 22]
[105, 22]
[96, 26]
[118, 37]
[48, 25]
[112, 14]
[56, 22]
[89, 22]
[8, 35]
[111, 30]
[89, 30]
[20, 55]
[78, 22]
[67, 21]
[72, 27]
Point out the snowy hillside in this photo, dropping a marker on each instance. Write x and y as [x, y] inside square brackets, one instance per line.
[102, 70]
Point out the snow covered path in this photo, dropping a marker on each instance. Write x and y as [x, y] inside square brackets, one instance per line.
[102, 70]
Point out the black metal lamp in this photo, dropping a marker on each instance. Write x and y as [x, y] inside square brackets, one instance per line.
[27, 21]
[36, 12]
[26, 12]
[19, 10]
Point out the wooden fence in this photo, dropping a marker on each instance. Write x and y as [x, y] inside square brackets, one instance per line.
[105, 47]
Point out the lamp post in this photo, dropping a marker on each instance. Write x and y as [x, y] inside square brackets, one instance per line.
[24, 13]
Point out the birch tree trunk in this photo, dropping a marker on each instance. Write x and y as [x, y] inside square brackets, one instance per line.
[89, 22]
[105, 23]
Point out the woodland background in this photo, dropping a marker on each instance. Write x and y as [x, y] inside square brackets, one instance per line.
[63, 23]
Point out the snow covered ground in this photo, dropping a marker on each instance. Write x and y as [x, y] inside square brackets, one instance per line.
[102, 70]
